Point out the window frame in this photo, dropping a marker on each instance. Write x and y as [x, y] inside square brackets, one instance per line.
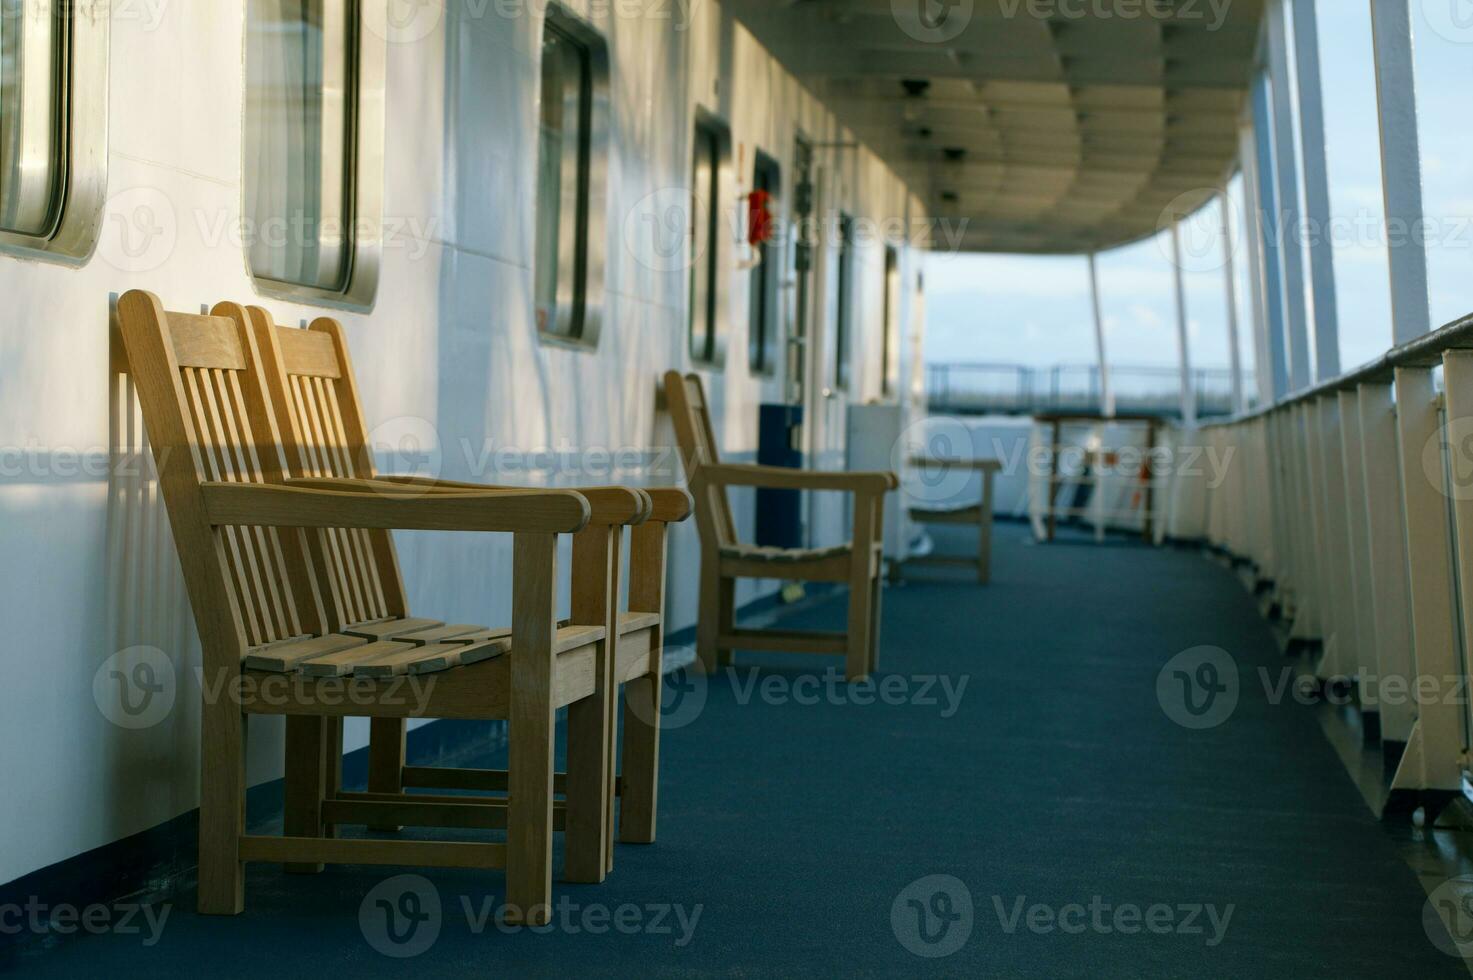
[764, 322]
[715, 256]
[581, 269]
[843, 337]
[81, 121]
[890, 329]
[363, 168]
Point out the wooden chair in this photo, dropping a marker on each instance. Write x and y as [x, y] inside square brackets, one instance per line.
[253, 550]
[979, 514]
[309, 374]
[724, 559]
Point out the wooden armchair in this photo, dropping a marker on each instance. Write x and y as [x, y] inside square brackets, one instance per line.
[724, 559]
[254, 550]
[309, 374]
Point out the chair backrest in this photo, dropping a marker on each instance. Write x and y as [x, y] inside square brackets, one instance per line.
[686, 396]
[208, 418]
[310, 378]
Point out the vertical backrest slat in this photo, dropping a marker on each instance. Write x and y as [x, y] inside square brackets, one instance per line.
[216, 456]
[347, 570]
[313, 464]
[349, 410]
[362, 544]
[698, 447]
[264, 557]
[222, 410]
[204, 413]
[310, 376]
[268, 538]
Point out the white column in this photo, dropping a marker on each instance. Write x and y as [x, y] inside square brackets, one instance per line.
[1267, 211]
[1401, 168]
[1253, 238]
[1107, 391]
[1286, 172]
[1316, 191]
[1235, 360]
[1188, 393]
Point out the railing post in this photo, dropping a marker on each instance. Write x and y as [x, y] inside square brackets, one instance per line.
[1358, 563]
[1432, 758]
[1316, 189]
[1401, 166]
[1341, 652]
[1387, 564]
[1286, 172]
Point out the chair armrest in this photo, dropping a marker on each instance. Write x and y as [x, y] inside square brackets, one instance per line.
[671, 504]
[273, 505]
[611, 505]
[782, 478]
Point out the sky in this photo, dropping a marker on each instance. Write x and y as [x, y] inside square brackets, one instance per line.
[1036, 310]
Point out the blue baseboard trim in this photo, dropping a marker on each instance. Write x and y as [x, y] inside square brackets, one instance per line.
[162, 859]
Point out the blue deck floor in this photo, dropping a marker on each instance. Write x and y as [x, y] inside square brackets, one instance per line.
[1015, 745]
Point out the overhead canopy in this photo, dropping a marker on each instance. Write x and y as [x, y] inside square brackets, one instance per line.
[1068, 132]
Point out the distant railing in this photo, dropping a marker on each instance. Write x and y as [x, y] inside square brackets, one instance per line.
[1015, 389]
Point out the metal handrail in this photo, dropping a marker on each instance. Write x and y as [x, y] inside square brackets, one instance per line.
[1425, 351]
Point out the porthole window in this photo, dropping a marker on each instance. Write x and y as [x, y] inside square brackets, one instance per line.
[53, 126]
[763, 301]
[844, 320]
[572, 160]
[313, 163]
[710, 162]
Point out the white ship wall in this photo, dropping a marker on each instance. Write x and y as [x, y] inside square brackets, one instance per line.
[450, 345]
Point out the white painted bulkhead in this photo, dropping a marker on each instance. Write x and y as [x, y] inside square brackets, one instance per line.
[450, 348]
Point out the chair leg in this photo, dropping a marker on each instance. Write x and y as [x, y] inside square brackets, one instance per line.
[533, 731]
[386, 742]
[877, 593]
[641, 760]
[727, 593]
[984, 543]
[586, 830]
[306, 781]
[861, 601]
[709, 622]
[221, 810]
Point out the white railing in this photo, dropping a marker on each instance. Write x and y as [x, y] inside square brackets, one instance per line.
[1353, 501]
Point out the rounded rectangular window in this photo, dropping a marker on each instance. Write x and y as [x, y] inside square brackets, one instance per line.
[53, 126]
[571, 164]
[764, 297]
[709, 248]
[844, 305]
[313, 150]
